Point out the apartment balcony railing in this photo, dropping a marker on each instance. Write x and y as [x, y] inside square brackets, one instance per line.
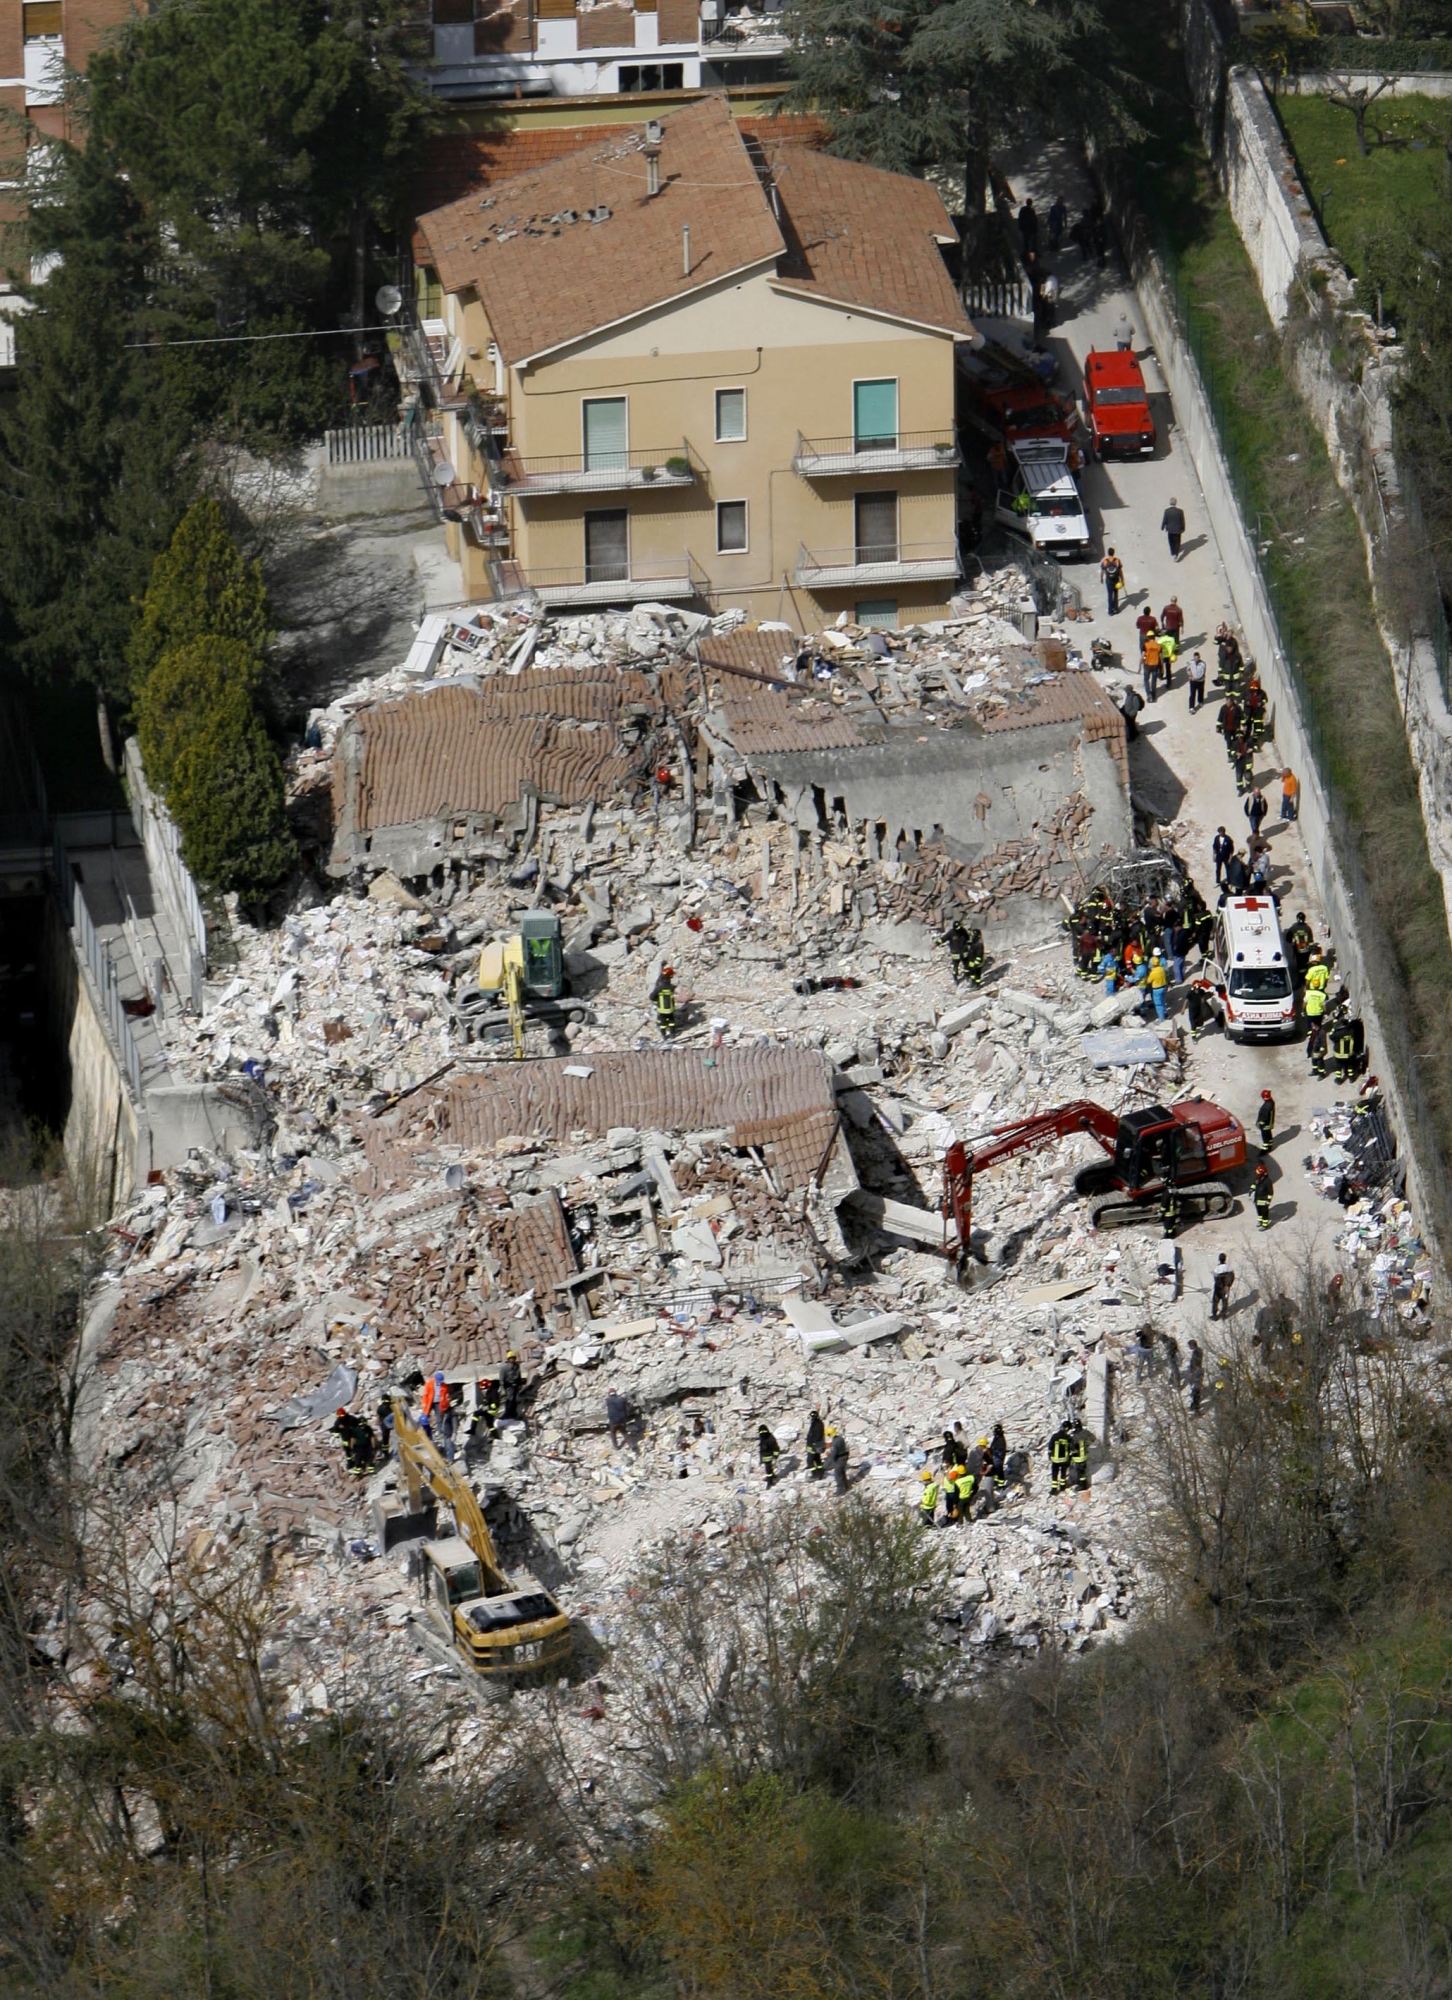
[640, 580]
[877, 562]
[743, 35]
[641, 469]
[908, 451]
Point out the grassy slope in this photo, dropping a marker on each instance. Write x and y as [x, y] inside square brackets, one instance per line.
[1402, 179]
[1312, 552]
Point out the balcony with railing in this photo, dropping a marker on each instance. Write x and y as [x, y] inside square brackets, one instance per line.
[744, 33]
[643, 468]
[904, 451]
[877, 562]
[638, 580]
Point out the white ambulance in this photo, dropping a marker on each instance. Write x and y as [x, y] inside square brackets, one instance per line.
[1248, 973]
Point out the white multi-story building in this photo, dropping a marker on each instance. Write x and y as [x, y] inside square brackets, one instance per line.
[478, 49]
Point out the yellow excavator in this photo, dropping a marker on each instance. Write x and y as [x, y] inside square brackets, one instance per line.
[497, 1628]
[521, 978]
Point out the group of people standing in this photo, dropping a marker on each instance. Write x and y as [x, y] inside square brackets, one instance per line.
[966, 1471]
[1146, 947]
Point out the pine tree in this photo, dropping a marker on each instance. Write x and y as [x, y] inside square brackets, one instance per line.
[229, 801]
[201, 587]
[182, 689]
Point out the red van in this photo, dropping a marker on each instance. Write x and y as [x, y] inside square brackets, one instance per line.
[1116, 405]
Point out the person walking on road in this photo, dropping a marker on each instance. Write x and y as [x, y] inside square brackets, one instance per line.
[1221, 849]
[1222, 1280]
[1265, 1121]
[1256, 808]
[1244, 760]
[1123, 334]
[1172, 526]
[1028, 226]
[1195, 680]
[1112, 570]
[1151, 659]
[1237, 876]
[1058, 220]
[1145, 624]
[1172, 619]
[1290, 795]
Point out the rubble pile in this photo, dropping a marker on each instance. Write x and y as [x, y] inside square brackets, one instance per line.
[689, 1228]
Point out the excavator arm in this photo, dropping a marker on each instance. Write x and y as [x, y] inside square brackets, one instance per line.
[1003, 1143]
[424, 1465]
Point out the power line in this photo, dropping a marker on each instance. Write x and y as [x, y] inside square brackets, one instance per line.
[240, 339]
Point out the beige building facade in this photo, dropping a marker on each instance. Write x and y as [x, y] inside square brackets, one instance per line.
[733, 387]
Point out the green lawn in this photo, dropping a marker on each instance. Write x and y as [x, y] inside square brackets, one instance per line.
[1403, 177]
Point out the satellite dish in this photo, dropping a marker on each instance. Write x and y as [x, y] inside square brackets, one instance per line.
[388, 299]
[444, 473]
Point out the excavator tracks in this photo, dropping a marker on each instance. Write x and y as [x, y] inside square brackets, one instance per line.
[1200, 1198]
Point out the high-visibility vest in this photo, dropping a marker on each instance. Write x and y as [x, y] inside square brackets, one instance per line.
[930, 1497]
[1059, 1449]
[1315, 1002]
[1319, 975]
[1080, 1451]
[965, 1487]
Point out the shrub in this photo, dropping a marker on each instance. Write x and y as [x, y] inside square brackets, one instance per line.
[200, 586]
[228, 799]
[184, 686]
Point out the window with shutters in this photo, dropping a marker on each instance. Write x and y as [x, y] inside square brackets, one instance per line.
[678, 21]
[874, 416]
[607, 546]
[731, 527]
[606, 443]
[876, 611]
[876, 520]
[730, 416]
[42, 19]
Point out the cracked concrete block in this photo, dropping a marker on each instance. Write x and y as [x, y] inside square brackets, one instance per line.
[958, 1018]
[1114, 1006]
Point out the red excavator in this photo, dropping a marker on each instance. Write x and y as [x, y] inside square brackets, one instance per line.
[1186, 1144]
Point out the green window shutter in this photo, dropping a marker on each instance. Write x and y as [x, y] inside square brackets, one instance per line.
[605, 434]
[874, 414]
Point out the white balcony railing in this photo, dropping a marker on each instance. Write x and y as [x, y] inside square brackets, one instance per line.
[877, 562]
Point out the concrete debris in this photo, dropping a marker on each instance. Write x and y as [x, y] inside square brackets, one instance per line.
[724, 1232]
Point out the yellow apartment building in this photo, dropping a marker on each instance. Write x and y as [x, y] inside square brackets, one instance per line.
[677, 364]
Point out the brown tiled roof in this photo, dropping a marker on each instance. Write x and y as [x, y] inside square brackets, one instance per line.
[764, 721]
[1070, 698]
[778, 1099]
[867, 237]
[456, 162]
[547, 281]
[472, 748]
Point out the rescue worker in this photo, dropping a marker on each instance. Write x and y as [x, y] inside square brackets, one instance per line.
[1300, 937]
[1257, 710]
[1157, 979]
[384, 1420]
[1079, 1457]
[1357, 1030]
[356, 1436]
[1229, 720]
[435, 1402]
[1243, 752]
[965, 1485]
[1150, 660]
[1227, 653]
[837, 1458]
[1318, 972]
[1265, 1121]
[998, 1457]
[1197, 1010]
[511, 1381]
[1318, 1042]
[1262, 1194]
[1343, 1050]
[950, 1492]
[1059, 1459]
[816, 1441]
[1170, 1210]
[663, 998]
[965, 942]
[928, 1504]
[768, 1451]
[491, 1401]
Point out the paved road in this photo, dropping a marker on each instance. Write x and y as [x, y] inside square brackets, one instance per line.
[1179, 766]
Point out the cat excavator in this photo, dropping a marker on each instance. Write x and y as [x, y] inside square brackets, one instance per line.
[521, 979]
[498, 1628]
[1187, 1145]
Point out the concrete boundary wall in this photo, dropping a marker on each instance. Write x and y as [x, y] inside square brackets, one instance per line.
[1239, 125]
[1257, 621]
[1405, 83]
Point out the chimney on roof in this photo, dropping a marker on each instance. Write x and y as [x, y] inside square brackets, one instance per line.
[686, 249]
[652, 158]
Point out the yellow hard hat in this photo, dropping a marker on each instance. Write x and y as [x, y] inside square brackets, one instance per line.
[983, 1440]
[926, 1476]
[511, 1355]
[831, 1430]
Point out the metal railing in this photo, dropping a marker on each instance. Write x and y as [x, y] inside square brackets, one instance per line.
[169, 872]
[641, 466]
[639, 578]
[906, 451]
[366, 444]
[998, 298]
[877, 562]
[750, 34]
[97, 960]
